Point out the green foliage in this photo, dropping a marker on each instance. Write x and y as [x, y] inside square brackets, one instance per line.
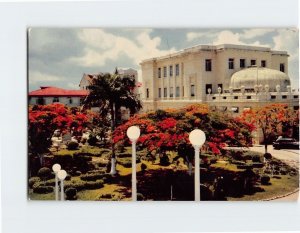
[42, 189]
[71, 194]
[72, 145]
[33, 180]
[265, 179]
[92, 176]
[44, 173]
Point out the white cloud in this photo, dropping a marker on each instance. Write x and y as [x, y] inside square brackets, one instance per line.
[287, 40]
[252, 33]
[101, 46]
[73, 86]
[38, 77]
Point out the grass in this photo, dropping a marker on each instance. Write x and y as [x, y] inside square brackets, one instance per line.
[113, 189]
[277, 188]
[226, 166]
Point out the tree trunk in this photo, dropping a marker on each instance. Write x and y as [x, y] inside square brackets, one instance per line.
[113, 156]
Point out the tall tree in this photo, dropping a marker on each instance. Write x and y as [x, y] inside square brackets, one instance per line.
[110, 93]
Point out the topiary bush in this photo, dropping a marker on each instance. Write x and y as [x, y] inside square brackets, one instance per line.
[42, 189]
[265, 179]
[32, 181]
[143, 167]
[72, 145]
[92, 176]
[92, 141]
[71, 194]
[256, 159]
[44, 173]
[140, 197]
[268, 156]
[94, 184]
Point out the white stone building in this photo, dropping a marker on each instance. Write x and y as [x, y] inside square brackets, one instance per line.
[227, 77]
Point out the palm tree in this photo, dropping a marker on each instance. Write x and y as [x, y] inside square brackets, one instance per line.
[110, 93]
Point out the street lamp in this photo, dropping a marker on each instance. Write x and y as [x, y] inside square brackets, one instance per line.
[197, 138]
[133, 133]
[56, 168]
[62, 174]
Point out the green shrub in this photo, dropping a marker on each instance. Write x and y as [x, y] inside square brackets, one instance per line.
[43, 189]
[94, 184]
[143, 167]
[92, 140]
[32, 181]
[72, 145]
[257, 165]
[164, 160]
[92, 176]
[256, 158]
[140, 197]
[268, 156]
[124, 155]
[265, 179]
[71, 194]
[44, 173]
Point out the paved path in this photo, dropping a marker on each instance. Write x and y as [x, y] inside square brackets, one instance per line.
[290, 157]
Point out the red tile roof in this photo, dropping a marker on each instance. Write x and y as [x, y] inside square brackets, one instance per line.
[55, 91]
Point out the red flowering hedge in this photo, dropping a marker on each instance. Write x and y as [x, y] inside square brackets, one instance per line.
[44, 119]
[168, 130]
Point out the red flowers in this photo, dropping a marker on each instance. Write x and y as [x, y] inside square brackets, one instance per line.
[166, 130]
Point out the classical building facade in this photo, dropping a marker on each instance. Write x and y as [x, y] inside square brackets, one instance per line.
[227, 77]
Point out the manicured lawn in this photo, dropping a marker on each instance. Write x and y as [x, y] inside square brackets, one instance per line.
[277, 187]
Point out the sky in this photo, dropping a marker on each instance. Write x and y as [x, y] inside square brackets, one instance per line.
[60, 56]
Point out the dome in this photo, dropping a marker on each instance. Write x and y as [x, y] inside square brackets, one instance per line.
[259, 76]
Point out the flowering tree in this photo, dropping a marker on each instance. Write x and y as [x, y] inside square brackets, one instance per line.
[169, 130]
[45, 119]
[273, 120]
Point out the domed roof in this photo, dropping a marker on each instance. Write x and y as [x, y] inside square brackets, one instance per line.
[259, 76]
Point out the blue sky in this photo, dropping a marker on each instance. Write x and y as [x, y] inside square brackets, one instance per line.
[60, 56]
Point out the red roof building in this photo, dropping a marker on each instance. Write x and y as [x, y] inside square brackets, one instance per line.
[49, 95]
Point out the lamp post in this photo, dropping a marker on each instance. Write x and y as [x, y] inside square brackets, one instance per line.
[56, 168]
[197, 138]
[133, 133]
[62, 174]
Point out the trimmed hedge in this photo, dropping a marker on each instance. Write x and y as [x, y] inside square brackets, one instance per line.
[33, 180]
[43, 189]
[92, 176]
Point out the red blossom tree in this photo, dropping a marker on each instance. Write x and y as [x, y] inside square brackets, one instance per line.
[169, 130]
[45, 119]
[273, 120]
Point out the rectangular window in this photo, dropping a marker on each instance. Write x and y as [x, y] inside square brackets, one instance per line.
[171, 91]
[192, 90]
[55, 100]
[171, 71]
[242, 63]
[147, 92]
[165, 71]
[263, 63]
[208, 86]
[207, 64]
[159, 92]
[177, 91]
[70, 100]
[182, 90]
[253, 62]
[282, 67]
[159, 73]
[177, 69]
[165, 92]
[220, 86]
[230, 63]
